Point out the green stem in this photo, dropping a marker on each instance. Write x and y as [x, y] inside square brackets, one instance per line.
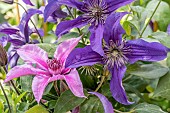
[117, 111]
[69, 11]
[6, 97]
[150, 19]
[31, 22]
[101, 82]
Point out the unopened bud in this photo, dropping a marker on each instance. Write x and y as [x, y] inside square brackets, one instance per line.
[3, 56]
[8, 1]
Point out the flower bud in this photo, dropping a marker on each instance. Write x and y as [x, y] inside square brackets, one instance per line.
[3, 56]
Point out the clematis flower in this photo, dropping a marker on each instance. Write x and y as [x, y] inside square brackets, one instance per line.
[47, 70]
[95, 12]
[117, 53]
[18, 36]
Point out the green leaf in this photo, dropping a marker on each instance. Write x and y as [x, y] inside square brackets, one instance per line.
[127, 27]
[163, 88]
[37, 109]
[19, 98]
[149, 71]
[148, 108]
[67, 101]
[91, 105]
[1, 107]
[26, 83]
[49, 48]
[161, 15]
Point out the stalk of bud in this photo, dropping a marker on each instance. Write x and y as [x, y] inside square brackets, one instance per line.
[3, 56]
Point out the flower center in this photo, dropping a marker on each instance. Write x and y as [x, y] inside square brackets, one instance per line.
[114, 55]
[55, 66]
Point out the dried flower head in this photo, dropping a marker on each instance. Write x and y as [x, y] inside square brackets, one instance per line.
[3, 56]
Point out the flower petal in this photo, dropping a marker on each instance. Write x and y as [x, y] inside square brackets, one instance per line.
[96, 39]
[142, 50]
[108, 108]
[28, 2]
[116, 86]
[8, 29]
[113, 30]
[65, 26]
[64, 49]
[52, 7]
[115, 4]
[74, 83]
[71, 3]
[82, 57]
[24, 22]
[39, 84]
[23, 70]
[33, 54]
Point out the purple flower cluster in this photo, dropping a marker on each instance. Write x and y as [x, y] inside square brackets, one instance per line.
[107, 47]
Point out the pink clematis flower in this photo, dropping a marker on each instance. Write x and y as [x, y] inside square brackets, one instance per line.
[47, 70]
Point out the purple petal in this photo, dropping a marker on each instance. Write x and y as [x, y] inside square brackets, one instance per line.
[28, 2]
[64, 49]
[65, 26]
[4, 41]
[168, 29]
[113, 30]
[116, 86]
[23, 70]
[33, 30]
[108, 108]
[142, 50]
[53, 7]
[71, 3]
[96, 39]
[74, 83]
[39, 84]
[33, 54]
[115, 4]
[82, 57]
[8, 29]
[13, 59]
[24, 22]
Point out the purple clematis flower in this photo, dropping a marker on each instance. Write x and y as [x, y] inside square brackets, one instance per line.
[18, 36]
[47, 70]
[117, 53]
[95, 14]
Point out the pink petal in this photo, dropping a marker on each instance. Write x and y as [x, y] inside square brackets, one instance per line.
[23, 70]
[33, 54]
[39, 84]
[65, 48]
[74, 83]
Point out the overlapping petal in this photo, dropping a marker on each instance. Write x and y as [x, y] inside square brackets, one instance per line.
[115, 4]
[23, 26]
[74, 83]
[52, 7]
[23, 70]
[113, 30]
[83, 56]
[33, 54]
[116, 86]
[96, 39]
[64, 49]
[66, 26]
[108, 108]
[142, 50]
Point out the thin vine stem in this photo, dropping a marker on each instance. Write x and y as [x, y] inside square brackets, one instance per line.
[101, 82]
[10, 110]
[69, 11]
[31, 22]
[150, 18]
